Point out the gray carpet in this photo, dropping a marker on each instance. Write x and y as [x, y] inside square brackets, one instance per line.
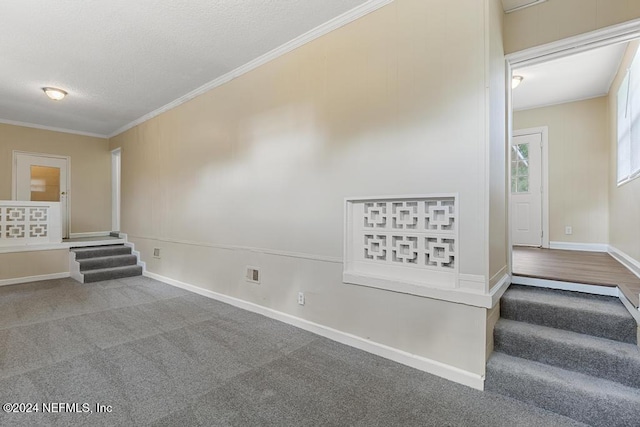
[162, 356]
[571, 353]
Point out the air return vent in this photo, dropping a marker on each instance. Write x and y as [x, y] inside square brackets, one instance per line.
[253, 275]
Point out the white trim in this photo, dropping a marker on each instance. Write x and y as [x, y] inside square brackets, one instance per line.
[635, 312]
[585, 247]
[27, 279]
[559, 49]
[632, 264]
[319, 31]
[127, 243]
[418, 362]
[544, 142]
[456, 295]
[52, 128]
[611, 291]
[89, 234]
[265, 251]
[499, 289]
[524, 6]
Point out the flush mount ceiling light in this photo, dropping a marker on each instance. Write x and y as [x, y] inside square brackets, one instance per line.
[54, 93]
[515, 81]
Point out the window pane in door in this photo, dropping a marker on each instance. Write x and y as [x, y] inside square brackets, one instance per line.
[520, 168]
[45, 184]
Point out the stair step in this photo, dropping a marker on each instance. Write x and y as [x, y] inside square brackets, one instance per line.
[107, 262]
[584, 398]
[595, 315]
[600, 357]
[101, 251]
[99, 275]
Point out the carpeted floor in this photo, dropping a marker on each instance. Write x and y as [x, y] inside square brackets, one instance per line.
[159, 355]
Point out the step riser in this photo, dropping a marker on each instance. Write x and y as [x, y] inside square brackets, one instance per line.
[590, 407]
[595, 324]
[90, 277]
[117, 261]
[610, 365]
[103, 252]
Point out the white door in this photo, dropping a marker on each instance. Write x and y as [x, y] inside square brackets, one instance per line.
[526, 190]
[40, 178]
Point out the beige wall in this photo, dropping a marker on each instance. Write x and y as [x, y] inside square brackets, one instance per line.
[497, 229]
[90, 171]
[578, 169]
[255, 172]
[624, 201]
[558, 19]
[30, 264]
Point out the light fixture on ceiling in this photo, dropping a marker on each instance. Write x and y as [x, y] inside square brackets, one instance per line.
[54, 93]
[515, 81]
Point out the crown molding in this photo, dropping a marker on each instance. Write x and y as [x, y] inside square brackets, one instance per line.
[52, 128]
[321, 30]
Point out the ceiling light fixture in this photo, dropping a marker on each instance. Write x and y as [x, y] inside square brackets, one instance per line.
[515, 81]
[54, 93]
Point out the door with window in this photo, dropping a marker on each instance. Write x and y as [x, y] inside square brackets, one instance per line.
[42, 178]
[526, 190]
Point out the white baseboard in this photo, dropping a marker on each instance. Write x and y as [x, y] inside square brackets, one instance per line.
[635, 312]
[89, 234]
[418, 362]
[18, 280]
[567, 286]
[632, 265]
[587, 247]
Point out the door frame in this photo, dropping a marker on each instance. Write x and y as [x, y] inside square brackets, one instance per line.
[14, 179]
[116, 180]
[617, 33]
[544, 172]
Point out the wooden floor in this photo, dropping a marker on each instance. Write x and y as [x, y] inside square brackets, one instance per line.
[594, 268]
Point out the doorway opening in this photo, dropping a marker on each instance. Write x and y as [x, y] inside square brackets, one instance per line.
[562, 99]
[43, 178]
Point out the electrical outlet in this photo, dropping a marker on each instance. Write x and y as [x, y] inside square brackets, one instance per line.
[568, 230]
[156, 252]
[253, 274]
[301, 298]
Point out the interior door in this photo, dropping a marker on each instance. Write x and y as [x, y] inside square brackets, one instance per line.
[526, 190]
[40, 178]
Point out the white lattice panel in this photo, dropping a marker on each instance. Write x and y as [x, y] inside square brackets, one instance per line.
[412, 239]
[25, 223]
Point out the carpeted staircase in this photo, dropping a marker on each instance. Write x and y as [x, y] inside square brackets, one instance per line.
[97, 263]
[571, 353]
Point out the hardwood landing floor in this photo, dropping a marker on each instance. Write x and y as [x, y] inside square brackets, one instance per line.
[592, 268]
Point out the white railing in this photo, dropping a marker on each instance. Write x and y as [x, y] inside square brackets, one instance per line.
[29, 223]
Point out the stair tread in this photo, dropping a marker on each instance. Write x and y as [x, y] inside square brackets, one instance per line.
[101, 270]
[107, 257]
[564, 377]
[94, 248]
[568, 300]
[612, 347]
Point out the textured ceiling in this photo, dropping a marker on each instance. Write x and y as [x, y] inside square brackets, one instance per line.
[121, 59]
[582, 76]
